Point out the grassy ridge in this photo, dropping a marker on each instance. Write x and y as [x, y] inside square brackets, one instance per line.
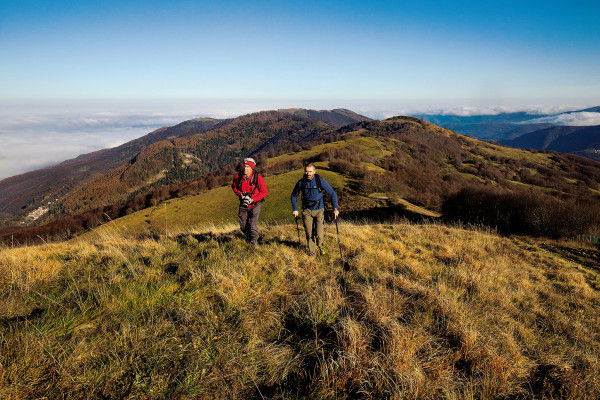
[367, 145]
[422, 311]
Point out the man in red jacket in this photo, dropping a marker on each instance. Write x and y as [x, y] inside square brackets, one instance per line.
[250, 187]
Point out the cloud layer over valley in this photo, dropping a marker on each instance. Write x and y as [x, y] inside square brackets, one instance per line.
[32, 140]
[44, 134]
[571, 119]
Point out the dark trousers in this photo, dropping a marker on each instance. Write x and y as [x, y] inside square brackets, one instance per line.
[249, 222]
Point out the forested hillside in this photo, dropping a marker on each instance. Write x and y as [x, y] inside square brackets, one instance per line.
[184, 158]
[169, 155]
[22, 193]
[583, 140]
[385, 167]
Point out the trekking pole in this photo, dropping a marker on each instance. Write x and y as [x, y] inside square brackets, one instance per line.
[298, 230]
[345, 264]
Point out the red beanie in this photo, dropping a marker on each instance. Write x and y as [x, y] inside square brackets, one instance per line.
[250, 162]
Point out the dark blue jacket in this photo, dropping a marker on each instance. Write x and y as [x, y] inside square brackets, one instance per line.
[312, 198]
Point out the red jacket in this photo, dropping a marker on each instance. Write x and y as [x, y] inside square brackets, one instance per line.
[245, 185]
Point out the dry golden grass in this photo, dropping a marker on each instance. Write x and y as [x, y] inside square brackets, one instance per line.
[415, 311]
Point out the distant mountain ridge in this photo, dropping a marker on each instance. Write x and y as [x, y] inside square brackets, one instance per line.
[501, 118]
[166, 155]
[336, 118]
[34, 188]
[513, 129]
[564, 139]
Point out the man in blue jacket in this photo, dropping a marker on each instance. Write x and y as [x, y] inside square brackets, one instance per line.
[312, 187]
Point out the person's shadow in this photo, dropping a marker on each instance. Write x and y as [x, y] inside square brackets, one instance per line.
[229, 237]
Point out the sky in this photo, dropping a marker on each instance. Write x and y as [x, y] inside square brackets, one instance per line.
[83, 75]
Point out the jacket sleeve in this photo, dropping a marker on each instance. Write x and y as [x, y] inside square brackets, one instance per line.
[233, 186]
[294, 196]
[329, 190]
[262, 189]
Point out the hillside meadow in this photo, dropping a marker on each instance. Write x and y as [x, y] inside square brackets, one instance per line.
[218, 206]
[417, 311]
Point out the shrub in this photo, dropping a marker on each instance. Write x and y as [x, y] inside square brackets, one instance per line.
[522, 212]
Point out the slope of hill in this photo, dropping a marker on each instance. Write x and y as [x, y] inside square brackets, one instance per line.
[185, 158]
[219, 206]
[431, 170]
[565, 139]
[214, 207]
[197, 146]
[420, 311]
[384, 164]
[32, 189]
[176, 154]
[521, 130]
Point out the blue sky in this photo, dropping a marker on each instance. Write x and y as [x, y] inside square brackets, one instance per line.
[461, 52]
[101, 73]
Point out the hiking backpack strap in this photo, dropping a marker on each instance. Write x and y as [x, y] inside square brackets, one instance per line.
[253, 182]
[318, 180]
[256, 184]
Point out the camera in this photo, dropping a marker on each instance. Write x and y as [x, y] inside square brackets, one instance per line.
[246, 201]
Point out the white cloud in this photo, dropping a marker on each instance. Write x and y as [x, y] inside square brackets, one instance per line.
[36, 134]
[571, 119]
[33, 139]
[27, 151]
[389, 109]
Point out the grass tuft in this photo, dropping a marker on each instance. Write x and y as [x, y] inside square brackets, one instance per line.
[421, 311]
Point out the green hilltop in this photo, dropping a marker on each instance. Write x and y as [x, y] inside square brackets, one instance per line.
[404, 167]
